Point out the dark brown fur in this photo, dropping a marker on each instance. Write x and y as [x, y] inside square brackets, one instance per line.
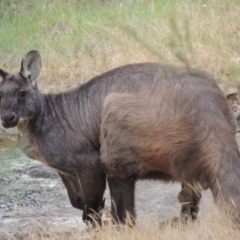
[179, 128]
[62, 130]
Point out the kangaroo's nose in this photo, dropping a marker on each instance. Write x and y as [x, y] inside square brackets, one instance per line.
[8, 119]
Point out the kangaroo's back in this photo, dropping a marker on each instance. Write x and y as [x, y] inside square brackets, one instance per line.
[179, 128]
[172, 121]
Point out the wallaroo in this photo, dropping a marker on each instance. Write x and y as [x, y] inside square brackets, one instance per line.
[63, 131]
[178, 128]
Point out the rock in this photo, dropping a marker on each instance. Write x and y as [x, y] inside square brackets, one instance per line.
[228, 88]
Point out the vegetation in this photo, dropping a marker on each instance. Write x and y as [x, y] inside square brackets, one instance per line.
[210, 227]
[80, 39]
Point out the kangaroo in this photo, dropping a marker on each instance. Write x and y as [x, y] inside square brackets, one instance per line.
[63, 130]
[179, 127]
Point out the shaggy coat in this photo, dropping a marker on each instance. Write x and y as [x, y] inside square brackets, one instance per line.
[63, 130]
[178, 128]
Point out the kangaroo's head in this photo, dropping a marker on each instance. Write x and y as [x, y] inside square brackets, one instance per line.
[19, 93]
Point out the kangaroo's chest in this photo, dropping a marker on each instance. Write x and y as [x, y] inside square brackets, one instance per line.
[30, 147]
[64, 153]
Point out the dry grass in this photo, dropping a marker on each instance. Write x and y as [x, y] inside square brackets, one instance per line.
[210, 226]
[78, 41]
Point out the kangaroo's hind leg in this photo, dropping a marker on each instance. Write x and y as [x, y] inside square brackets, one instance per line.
[189, 198]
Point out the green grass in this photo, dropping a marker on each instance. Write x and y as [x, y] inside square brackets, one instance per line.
[79, 39]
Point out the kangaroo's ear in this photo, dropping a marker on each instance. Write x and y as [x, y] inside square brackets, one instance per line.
[31, 66]
[3, 74]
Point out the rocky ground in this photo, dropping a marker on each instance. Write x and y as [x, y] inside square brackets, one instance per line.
[32, 198]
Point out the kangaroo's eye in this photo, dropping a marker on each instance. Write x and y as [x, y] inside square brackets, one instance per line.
[22, 94]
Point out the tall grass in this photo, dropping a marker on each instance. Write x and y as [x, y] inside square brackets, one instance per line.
[80, 39]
